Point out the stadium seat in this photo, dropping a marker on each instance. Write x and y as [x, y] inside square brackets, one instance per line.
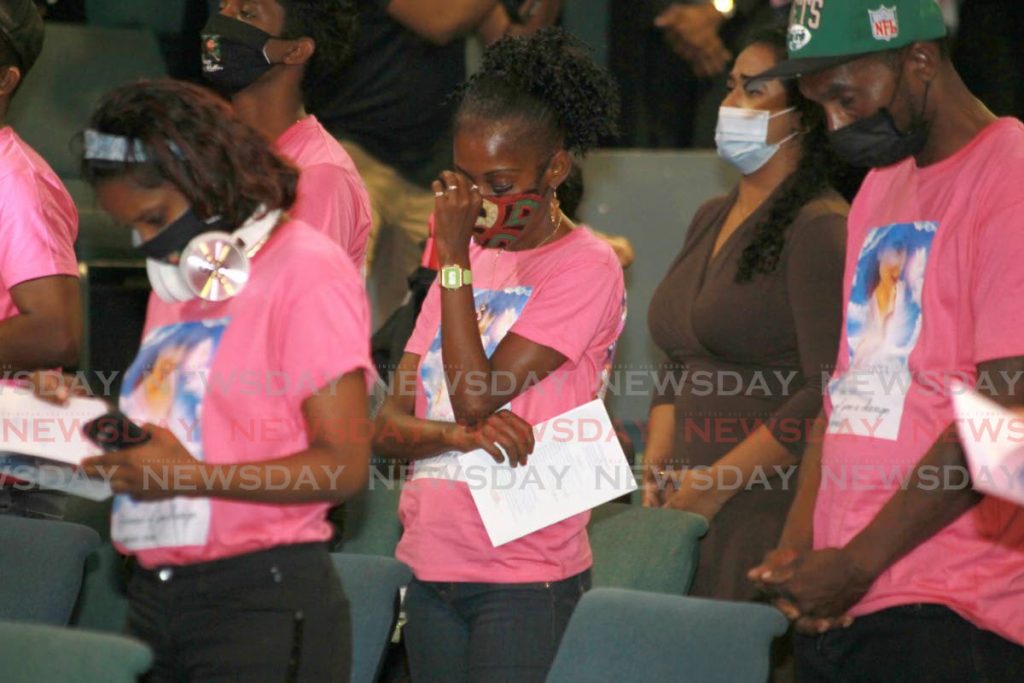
[33, 653]
[102, 602]
[160, 16]
[621, 636]
[77, 66]
[645, 549]
[41, 568]
[372, 584]
[370, 520]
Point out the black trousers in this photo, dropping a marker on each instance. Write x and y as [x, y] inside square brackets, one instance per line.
[32, 502]
[275, 616]
[912, 643]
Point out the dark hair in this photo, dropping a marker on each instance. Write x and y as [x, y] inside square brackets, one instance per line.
[195, 142]
[332, 26]
[570, 192]
[817, 170]
[8, 57]
[548, 81]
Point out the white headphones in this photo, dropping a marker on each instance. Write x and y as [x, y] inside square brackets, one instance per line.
[215, 266]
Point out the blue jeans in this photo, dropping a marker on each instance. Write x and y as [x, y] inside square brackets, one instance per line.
[487, 632]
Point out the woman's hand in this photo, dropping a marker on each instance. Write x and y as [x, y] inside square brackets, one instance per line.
[502, 431]
[700, 497]
[655, 486]
[56, 387]
[159, 469]
[457, 207]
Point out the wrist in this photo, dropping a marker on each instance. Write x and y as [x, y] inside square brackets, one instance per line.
[868, 559]
[452, 437]
[796, 537]
[205, 475]
[452, 254]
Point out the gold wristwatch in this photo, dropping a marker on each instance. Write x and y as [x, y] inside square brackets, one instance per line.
[455, 277]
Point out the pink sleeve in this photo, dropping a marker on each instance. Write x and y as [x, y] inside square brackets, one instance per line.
[998, 292]
[37, 230]
[330, 202]
[327, 335]
[567, 310]
[427, 323]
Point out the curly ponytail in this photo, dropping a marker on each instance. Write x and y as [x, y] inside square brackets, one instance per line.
[549, 81]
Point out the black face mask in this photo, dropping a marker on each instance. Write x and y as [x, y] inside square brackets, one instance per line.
[172, 239]
[876, 142]
[233, 54]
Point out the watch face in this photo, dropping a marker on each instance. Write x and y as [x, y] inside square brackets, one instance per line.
[450, 278]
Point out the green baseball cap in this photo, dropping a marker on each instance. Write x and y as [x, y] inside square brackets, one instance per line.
[826, 33]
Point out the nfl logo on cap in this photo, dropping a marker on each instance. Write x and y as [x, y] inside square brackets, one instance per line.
[824, 34]
[884, 23]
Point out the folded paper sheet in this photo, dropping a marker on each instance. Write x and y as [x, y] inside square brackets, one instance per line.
[577, 464]
[993, 441]
[43, 444]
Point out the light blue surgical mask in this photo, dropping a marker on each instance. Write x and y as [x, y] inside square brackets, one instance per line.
[742, 137]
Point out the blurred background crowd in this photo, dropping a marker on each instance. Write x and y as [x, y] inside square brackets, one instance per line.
[669, 57]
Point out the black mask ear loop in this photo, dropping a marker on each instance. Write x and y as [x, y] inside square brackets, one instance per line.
[917, 118]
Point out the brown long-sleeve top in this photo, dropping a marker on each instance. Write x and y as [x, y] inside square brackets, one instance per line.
[742, 355]
[755, 351]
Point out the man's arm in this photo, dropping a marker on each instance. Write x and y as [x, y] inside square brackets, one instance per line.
[47, 332]
[441, 21]
[535, 15]
[828, 582]
[918, 513]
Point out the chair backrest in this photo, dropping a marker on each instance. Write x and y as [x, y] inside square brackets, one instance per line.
[77, 66]
[41, 566]
[370, 523]
[162, 16]
[32, 653]
[645, 549]
[649, 197]
[620, 636]
[371, 584]
[103, 601]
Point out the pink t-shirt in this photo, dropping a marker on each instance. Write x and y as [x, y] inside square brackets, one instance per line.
[331, 196]
[568, 296]
[229, 380]
[934, 286]
[38, 220]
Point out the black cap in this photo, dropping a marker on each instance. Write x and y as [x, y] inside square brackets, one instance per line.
[22, 27]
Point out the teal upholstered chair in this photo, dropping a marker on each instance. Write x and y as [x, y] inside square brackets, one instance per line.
[620, 636]
[160, 16]
[35, 653]
[372, 586]
[41, 565]
[77, 66]
[645, 549]
[103, 602]
[370, 523]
